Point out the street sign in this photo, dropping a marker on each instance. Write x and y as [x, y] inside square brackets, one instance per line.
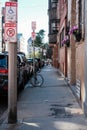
[33, 35]
[33, 25]
[10, 32]
[11, 12]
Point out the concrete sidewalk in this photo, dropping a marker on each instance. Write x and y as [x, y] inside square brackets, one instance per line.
[50, 107]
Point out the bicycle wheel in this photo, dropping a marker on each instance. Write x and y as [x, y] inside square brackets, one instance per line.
[37, 81]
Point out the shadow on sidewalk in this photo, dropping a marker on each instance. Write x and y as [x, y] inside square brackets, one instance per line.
[50, 107]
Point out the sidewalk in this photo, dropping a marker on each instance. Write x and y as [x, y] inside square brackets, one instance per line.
[51, 107]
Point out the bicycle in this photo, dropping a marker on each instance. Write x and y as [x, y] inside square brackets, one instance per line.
[37, 79]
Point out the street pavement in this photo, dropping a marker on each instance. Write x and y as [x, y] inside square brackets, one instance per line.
[50, 107]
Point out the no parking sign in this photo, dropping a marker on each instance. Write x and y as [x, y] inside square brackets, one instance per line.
[33, 35]
[10, 32]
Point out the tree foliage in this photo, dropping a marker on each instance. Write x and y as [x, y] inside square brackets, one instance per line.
[39, 38]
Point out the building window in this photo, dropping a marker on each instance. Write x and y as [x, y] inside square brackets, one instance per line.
[54, 3]
[54, 27]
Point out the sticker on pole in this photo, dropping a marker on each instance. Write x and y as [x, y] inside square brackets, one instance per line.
[11, 11]
[10, 32]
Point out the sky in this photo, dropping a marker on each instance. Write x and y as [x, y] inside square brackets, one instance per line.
[32, 10]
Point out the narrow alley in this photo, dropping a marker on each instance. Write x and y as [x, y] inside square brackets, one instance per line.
[50, 107]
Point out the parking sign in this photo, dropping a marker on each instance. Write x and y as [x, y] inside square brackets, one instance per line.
[11, 21]
[33, 25]
[10, 32]
[33, 35]
[11, 11]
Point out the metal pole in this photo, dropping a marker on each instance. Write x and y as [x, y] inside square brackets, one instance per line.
[34, 60]
[12, 82]
[85, 70]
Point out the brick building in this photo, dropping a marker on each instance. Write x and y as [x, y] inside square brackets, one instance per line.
[53, 30]
[62, 7]
[71, 45]
[76, 51]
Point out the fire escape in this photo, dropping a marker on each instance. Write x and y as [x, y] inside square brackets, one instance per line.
[53, 30]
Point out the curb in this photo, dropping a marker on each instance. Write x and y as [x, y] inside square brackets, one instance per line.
[3, 118]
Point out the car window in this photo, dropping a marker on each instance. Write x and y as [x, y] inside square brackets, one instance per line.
[18, 60]
[24, 58]
[3, 61]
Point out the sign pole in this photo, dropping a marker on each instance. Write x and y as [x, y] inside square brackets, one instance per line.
[34, 59]
[12, 79]
[33, 38]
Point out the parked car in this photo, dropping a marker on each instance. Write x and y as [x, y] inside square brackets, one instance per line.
[3, 73]
[21, 73]
[22, 69]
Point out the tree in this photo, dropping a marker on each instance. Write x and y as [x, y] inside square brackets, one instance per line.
[39, 38]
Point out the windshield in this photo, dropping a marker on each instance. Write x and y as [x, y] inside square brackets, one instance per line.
[3, 61]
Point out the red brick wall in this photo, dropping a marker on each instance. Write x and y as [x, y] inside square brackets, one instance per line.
[63, 50]
[55, 56]
[62, 60]
[80, 66]
[62, 12]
